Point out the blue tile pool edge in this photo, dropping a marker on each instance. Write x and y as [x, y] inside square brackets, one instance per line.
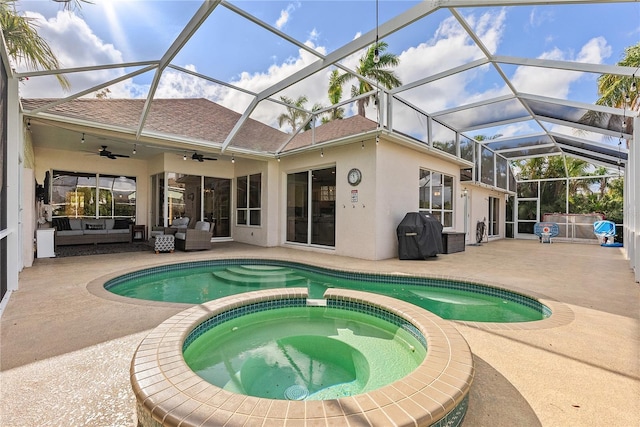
[284, 302]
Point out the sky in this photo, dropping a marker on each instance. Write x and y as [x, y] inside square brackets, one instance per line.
[230, 48]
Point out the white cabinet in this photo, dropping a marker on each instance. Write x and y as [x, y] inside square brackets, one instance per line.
[45, 242]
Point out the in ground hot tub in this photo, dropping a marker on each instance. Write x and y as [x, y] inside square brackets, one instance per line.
[328, 372]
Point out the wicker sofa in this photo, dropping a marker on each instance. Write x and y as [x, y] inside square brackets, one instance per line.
[79, 231]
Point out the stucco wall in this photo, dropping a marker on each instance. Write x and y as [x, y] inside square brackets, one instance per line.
[355, 221]
[398, 173]
[479, 209]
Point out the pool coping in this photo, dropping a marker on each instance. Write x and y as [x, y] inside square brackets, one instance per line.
[169, 393]
[561, 314]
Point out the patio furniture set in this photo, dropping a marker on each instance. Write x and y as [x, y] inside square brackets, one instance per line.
[180, 236]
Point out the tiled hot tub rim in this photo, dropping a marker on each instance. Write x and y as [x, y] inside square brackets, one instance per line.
[169, 393]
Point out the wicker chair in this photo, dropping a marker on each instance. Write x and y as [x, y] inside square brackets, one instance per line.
[197, 238]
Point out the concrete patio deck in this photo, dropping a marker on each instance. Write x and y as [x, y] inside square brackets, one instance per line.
[65, 352]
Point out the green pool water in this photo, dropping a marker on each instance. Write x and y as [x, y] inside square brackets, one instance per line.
[304, 353]
[198, 284]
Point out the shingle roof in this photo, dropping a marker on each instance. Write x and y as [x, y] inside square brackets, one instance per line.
[196, 118]
[199, 119]
[333, 130]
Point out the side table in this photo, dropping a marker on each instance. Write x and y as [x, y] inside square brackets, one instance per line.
[139, 233]
[45, 242]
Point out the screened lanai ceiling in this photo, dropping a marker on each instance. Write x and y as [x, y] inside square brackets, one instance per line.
[519, 76]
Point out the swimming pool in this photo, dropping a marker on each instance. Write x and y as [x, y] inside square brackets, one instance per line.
[200, 281]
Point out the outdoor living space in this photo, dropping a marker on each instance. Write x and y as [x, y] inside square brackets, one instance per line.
[579, 368]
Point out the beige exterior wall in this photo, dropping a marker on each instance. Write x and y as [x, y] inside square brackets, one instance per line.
[355, 221]
[479, 209]
[398, 172]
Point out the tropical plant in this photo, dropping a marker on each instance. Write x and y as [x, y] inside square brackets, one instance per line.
[335, 95]
[24, 45]
[296, 114]
[368, 68]
[595, 192]
[616, 91]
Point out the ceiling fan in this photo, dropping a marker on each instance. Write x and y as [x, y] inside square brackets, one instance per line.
[103, 152]
[201, 157]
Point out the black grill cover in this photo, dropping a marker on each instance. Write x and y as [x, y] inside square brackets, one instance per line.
[419, 236]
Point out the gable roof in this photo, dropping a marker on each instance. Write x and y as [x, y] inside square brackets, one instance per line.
[331, 131]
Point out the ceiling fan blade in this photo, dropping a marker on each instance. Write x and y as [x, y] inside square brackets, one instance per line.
[103, 152]
[209, 158]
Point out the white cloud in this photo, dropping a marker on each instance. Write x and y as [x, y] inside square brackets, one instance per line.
[557, 83]
[449, 47]
[75, 45]
[538, 17]
[285, 14]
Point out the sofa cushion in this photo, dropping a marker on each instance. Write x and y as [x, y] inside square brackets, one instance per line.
[109, 223]
[118, 231]
[202, 225]
[92, 226]
[180, 222]
[95, 231]
[69, 232]
[121, 224]
[181, 236]
[75, 223]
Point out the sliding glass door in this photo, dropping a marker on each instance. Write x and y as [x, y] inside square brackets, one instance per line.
[311, 207]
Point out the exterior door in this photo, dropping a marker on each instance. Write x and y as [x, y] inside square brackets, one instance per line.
[311, 207]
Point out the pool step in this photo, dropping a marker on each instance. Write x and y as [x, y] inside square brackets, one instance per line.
[259, 270]
[239, 279]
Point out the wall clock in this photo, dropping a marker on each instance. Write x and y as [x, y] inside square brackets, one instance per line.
[354, 177]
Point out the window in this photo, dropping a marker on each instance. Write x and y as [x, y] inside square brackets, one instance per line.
[248, 200]
[435, 193]
[193, 196]
[83, 195]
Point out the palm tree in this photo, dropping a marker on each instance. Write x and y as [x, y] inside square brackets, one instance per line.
[310, 123]
[24, 44]
[377, 71]
[616, 91]
[295, 115]
[335, 96]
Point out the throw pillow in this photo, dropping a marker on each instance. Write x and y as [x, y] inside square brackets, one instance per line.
[95, 226]
[121, 224]
[61, 224]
